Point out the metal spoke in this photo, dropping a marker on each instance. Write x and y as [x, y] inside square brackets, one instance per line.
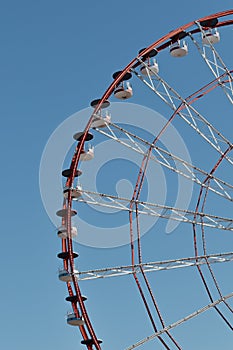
[157, 210]
[179, 322]
[118, 271]
[166, 159]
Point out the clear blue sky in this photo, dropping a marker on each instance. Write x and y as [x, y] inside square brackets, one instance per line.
[55, 58]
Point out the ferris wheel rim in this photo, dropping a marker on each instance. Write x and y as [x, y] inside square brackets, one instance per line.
[76, 157]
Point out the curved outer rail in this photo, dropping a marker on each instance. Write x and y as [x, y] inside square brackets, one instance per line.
[67, 245]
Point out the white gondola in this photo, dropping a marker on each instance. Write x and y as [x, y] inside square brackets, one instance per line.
[123, 91]
[178, 50]
[87, 155]
[62, 232]
[76, 192]
[64, 275]
[73, 320]
[100, 122]
[210, 37]
[153, 68]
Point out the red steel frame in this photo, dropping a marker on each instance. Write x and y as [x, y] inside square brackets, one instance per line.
[141, 176]
[87, 330]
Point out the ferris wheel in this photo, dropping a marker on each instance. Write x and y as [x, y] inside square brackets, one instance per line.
[187, 77]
